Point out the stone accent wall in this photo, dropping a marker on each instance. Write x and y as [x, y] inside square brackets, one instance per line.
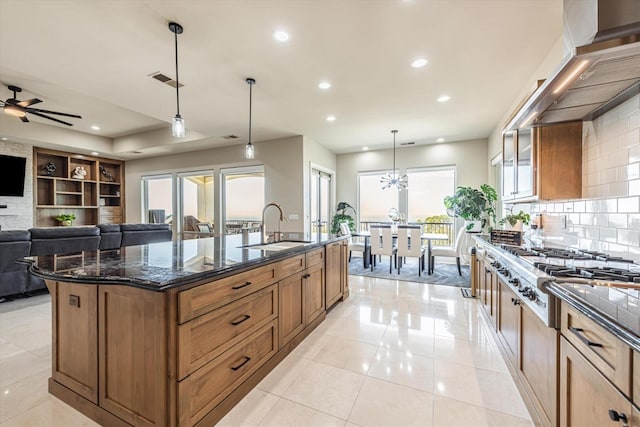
[19, 212]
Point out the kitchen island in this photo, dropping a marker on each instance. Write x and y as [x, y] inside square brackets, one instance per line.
[176, 333]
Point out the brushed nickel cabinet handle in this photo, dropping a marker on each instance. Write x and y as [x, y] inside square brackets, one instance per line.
[244, 362]
[243, 319]
[241, 286]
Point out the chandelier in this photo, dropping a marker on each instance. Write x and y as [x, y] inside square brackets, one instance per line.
[391, 179]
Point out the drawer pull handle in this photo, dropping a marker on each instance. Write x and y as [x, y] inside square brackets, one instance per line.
[241, 286]
[618, 416]
[582, 338]
[306, 276]
[244, 362]
[244, 319]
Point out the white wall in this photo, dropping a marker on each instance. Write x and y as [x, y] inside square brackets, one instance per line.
[19, 212]
[469, 158]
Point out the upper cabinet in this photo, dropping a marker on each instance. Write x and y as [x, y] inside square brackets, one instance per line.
[542, 163]
[90, 188]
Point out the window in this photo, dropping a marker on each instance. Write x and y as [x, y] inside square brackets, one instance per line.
[158, 199]
[196, 201]
[374, 202]
[427, 189]
[243, 198]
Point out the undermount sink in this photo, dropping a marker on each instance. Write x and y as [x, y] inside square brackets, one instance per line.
[277, 246]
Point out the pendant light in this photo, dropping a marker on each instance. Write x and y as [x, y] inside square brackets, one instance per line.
[249, 150]
[391, 179]
[177, 125]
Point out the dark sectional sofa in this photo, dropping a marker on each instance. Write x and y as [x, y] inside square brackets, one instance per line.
[17, 244]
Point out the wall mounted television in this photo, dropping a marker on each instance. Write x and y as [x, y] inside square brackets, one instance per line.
[12, 175]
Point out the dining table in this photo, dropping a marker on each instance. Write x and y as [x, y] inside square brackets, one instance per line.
[428, 237]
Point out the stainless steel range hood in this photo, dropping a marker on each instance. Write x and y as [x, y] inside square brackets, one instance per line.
[601, 71]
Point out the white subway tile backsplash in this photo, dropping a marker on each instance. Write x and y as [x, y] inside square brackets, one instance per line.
[617, 189]
[617, 220]
[579, 206]
[629, 139]
[634, 187]
[634, 154]
[629, 204]
[633, 221]
[609, 235]
[628, 237]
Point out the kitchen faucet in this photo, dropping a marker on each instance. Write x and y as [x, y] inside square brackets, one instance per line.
[276, 234]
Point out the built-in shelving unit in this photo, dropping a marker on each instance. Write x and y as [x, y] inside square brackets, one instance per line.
[95, 196]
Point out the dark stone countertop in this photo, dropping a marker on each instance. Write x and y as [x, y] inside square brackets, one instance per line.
[166, 265]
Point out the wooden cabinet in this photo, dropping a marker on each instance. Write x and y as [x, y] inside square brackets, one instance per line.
[336, 261]
[509, 320]
[91, 188]
[129, 356]
[586, 397]
[608, 354]
[636, 378]
[535, 160]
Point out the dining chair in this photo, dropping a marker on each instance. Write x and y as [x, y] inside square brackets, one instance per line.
[450, 251]
[382, 244]
[410, 245]
[353, 246]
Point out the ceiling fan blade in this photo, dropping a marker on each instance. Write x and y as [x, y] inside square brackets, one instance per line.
[50, 118]
[24, 119]
[28, 102]
[38, 110]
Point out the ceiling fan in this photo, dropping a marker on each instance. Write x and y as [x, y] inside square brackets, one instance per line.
[17, 108]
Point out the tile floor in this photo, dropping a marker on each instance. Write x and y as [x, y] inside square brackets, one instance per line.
[394, 354]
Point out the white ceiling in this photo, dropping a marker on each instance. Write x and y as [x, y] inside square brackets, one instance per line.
[94, 57]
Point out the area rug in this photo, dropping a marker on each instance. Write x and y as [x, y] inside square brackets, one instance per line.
[444, 274]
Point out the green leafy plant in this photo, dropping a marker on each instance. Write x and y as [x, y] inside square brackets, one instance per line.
[65, 217]
[342, 216]
[512, 218]
[472, 204]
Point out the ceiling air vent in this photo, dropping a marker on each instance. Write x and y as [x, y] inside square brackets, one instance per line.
[230, 137]
[163, 78]
[408, 143]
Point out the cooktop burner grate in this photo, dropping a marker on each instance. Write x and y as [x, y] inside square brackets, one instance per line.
[597, 273]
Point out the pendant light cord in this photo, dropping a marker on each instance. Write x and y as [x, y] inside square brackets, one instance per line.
[250, 103]
[177, 78]
[393, 172]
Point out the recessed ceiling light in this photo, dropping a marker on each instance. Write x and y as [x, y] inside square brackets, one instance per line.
[94, 153]
[281, 35]
[95, 127]
[444, 98]
[331, 118]
[3, 138]
[419, 63]
[440, 140]
[365, 148]
[324, 85]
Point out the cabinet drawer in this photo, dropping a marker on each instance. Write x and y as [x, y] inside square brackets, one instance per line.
[202, 299]
[315, 257]
[206, 337]
[608, 354]
[289, 266]
[110, 219]
[200, 392]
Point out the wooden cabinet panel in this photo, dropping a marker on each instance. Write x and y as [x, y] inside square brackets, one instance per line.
[607, 353]
[133, 354]
[636, 378]
[333, 273]
[509, 320]
[585, 395]
[291, 307]
[315, 257]
[314, 293]
[75, 337]
[206, 337]
[202, 299]
[290, 266]
[538, 362]
[201, 391]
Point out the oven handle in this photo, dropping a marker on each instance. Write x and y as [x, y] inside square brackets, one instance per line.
[577, 332]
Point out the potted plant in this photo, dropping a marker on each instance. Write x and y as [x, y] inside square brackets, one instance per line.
[515, 221]
[342, 216]
[65, 219]
[475, 206]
